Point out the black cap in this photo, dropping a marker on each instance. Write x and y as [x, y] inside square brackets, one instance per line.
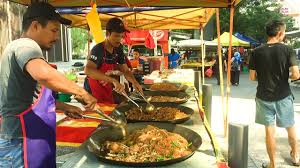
[42, 9]
[116, 25]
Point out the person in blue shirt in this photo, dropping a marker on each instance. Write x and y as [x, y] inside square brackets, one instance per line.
[173, 58]
[236, 62]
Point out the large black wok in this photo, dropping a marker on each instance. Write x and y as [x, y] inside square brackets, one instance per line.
[181, 95]
[180, 87]
[95, 141]
[124, 108]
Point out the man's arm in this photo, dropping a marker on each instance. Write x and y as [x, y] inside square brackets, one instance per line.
[252, 68]
[48, 76]
[252, 75]
[294, 71]
[122, 66]
[129, 76]
[95, 59]
[92, 71]
[127, 73]
[69, 110]
[52, 79]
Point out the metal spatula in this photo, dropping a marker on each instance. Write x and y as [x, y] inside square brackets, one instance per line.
[114, 122]
[118, 123]
[125, 95]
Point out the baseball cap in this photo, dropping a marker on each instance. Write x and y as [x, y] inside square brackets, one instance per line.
[46, 10]
[116, 25]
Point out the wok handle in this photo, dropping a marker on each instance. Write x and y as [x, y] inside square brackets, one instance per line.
[102, 114]
[95, 118]
[143, 97]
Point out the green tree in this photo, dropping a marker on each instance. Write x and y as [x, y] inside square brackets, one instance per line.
[251, 16]
[79, 42]
[296, 44]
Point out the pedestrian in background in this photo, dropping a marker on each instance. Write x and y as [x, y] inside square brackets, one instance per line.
[216, 67]
[173, 58]
[270, 65]
[235, 70]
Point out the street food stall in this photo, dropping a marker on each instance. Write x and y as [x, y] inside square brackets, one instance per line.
[190, 127]
[224, 39]
[193, 48]
[167, 98]
[89, 133]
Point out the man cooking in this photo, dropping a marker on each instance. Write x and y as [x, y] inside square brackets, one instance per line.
[27, 113]
[106, 59]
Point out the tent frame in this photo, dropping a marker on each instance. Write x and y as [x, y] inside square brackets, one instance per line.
[231, 6]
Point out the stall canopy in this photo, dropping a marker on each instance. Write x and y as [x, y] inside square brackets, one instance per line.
[235, 41]
[225, 39]
[193, 14]
[186, 18]
[139, 3]
[246, 38]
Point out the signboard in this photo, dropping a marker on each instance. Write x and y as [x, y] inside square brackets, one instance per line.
[284, 10]
[140, 35]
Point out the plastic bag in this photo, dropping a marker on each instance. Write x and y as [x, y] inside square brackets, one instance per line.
[209, 72]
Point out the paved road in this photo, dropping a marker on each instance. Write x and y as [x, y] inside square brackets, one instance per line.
[242, 110]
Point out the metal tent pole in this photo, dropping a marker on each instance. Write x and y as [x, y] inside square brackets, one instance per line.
[220, 57]
[202, 53]
[228, 66]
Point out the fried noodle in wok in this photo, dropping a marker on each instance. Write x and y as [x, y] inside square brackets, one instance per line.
[159, 114]
[150, 144]
[165, 87]
[165, 99]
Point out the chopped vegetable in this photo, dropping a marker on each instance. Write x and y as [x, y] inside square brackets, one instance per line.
[174, 144]
[160, 158]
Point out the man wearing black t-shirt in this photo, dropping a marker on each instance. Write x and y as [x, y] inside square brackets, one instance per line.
[104, 60]
[272, 65]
